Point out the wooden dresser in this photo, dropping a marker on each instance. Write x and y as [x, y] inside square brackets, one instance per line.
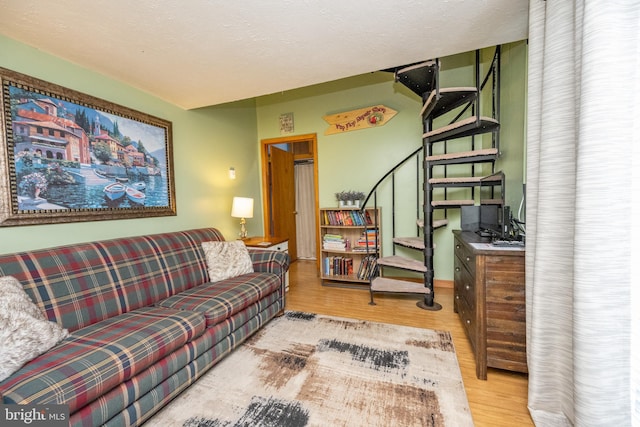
[489, 297]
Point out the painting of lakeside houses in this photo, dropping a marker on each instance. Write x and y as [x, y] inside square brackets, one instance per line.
[70, 157]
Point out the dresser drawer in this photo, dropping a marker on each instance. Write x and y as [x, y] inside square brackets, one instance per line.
[464, 283]
[467, 258]
[469, 322]
[281, 247]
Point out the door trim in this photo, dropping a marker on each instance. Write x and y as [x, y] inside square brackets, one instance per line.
[312, 138]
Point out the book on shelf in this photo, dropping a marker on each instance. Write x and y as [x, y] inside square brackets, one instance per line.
[367, 219]
[330, 236]
[356, 218]
[368, 268]
[347, 219]
[334, 247]
[338, 266]
[364, 242]
[369, 235]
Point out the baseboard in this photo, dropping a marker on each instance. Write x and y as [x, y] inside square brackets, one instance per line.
[443, 284]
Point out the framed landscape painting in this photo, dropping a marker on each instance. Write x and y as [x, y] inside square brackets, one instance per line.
[67, 156]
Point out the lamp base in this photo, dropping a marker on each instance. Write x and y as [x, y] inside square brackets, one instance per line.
[243, 229]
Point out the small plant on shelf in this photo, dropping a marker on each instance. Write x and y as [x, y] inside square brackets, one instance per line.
[342, 197]
[349, 198]
[358, 197]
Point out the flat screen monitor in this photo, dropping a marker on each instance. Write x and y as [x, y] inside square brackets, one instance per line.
[492, 210]
[491, 223]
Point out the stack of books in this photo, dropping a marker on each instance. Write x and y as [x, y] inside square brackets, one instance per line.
[334, 242]
[367, 241]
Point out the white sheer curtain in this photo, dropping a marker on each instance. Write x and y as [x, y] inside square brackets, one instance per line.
[305, 206]
[583, 115]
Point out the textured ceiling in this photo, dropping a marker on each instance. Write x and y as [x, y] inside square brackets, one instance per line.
[195, 53]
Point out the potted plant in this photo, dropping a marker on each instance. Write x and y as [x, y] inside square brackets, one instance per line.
[349, 198]
[343, 197]
[358, 197]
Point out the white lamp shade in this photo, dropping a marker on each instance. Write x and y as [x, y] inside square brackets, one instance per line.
[242, 207]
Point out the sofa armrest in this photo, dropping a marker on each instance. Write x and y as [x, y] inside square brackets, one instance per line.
[269, 261]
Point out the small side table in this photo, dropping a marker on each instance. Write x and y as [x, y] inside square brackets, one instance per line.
[280, 244]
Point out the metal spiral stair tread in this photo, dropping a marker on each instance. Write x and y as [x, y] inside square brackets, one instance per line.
[467, 127]
[403, 263]
[384, 284]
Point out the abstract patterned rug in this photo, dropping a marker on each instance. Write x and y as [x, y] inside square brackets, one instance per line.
[305, 369]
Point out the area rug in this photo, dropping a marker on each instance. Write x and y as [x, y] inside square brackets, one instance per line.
[304, 369]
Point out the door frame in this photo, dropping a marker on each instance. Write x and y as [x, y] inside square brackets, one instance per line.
[312, 139]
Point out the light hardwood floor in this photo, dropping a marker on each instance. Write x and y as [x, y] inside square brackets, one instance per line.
[499, 401]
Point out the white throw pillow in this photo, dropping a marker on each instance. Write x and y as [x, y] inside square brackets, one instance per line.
[227, 259]
[24, 331]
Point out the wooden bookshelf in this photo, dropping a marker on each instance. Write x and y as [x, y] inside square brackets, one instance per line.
[350, 239]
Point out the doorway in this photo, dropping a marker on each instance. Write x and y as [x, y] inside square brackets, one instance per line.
[290, 189]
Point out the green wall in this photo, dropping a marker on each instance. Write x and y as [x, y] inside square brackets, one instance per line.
[206, 142]
[513, 115]
[358, 159]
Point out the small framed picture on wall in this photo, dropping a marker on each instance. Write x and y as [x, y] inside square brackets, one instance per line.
[286, 123]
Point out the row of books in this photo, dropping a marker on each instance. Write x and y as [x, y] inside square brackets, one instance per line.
[347, 217]
[343, 266]
[368, 268]
[338, 266]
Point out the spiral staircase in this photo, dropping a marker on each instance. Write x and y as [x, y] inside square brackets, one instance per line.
[438, 182]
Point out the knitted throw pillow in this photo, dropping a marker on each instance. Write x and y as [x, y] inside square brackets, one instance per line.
[24, 331]
[227, 259]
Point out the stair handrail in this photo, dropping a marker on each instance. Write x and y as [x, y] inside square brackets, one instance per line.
[495, 59]
[386, 175]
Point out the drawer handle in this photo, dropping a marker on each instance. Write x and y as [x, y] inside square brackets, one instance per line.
[457, 296]
[467, 287]
[457, 269]
[457, 246]
[468, 322]
[468, 259]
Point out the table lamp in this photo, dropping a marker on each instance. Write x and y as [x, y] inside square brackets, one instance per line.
[242, 208]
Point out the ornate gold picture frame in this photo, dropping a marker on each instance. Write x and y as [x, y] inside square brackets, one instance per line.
[66, 157]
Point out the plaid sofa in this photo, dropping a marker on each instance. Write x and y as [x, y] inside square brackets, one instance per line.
[144, 321]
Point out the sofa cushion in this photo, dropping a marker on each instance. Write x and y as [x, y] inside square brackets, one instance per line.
[24, 331]
[223, 299]
[100, 357]
[126, 394]
[227, 259]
